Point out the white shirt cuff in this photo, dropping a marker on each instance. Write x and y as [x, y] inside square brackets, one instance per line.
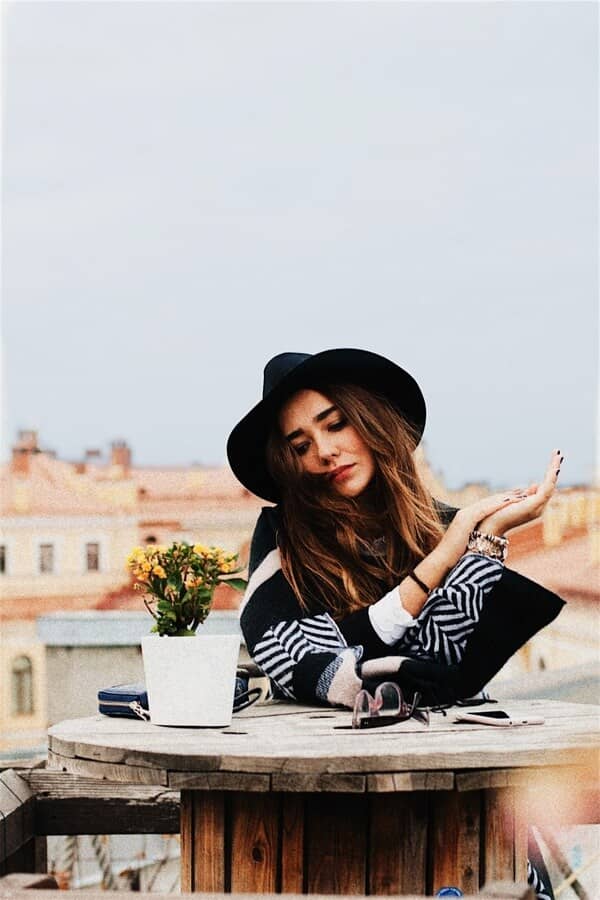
[389, 618]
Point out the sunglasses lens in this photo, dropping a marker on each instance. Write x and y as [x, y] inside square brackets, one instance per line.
[363, 706]
[388, 699]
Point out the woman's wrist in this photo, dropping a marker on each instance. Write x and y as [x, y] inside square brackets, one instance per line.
[492, 525]
[430, 571]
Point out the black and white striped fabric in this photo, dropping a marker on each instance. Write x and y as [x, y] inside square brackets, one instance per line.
[542, 890]
[301, 653]
[452, 611]
[285, 645]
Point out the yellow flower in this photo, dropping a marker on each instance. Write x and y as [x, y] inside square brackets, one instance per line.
[136, 554]
[200, 549]
[159, 571]
[146, 567]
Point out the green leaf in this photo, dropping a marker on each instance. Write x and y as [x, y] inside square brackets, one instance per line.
[237, 583]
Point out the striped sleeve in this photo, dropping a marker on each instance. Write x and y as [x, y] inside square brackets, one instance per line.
[452, 610]
[306, 656]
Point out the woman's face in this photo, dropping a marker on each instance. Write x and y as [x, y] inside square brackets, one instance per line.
[326, 444]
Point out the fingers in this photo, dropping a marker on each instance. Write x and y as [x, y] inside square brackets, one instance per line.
[498, 501]
[543, 492]
[552, 473]
[535, 496]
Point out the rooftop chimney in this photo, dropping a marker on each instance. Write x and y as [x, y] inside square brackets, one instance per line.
[27, 443]
[120, 455]
[27, 440]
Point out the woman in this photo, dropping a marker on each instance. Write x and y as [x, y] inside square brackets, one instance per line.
[358, 575]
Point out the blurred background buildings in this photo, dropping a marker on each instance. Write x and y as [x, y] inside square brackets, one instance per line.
[70, 622]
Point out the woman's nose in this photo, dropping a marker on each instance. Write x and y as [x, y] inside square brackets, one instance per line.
[327, 448]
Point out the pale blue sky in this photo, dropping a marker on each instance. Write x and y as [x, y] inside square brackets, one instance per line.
[191, 188]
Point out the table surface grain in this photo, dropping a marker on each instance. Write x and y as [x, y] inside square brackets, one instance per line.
[287, 746]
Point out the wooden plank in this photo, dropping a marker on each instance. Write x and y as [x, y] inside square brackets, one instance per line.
[498, 835]
[398, 844]
[292, 843]
[186, 828]
[40, 854]
[62, 785]
[16, 785]
[336, 843]
[208, 841]
[71, 804]
[522, 821]
[16, 814]
[455, 841]
[105, 815]
[31, 857]
[343, 784]
[219, 781]
[410, 781]
[254, 846]
[547, 776]
[107, 771]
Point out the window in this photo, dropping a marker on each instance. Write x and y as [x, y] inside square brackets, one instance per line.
[46, 557]
[92, 557]
[22, 686]
[2, 559]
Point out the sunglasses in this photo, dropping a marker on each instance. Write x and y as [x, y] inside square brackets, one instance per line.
[385, 707]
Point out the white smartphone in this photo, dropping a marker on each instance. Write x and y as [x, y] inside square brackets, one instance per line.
[497, 717]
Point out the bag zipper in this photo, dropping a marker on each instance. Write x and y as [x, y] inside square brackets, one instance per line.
[134, 705]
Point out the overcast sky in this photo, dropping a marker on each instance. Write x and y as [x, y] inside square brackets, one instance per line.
[191, 188]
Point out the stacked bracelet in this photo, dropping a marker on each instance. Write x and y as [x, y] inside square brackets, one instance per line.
[488, 545]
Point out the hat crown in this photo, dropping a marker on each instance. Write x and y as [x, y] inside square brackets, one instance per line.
[280, 366]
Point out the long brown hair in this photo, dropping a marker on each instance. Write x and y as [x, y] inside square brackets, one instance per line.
[326, 539]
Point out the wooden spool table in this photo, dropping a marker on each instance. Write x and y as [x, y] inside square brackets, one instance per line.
[286, 800]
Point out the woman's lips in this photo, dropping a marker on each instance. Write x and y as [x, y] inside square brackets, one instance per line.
[341, 473]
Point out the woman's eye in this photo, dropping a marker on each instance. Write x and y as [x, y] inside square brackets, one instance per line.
[300, 448]
[337, 426]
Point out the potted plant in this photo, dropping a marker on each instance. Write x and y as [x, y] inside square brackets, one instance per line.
[189, 682]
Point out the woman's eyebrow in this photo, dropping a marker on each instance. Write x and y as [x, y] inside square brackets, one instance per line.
[318, 418]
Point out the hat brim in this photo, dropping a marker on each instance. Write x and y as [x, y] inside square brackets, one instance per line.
[247, 442]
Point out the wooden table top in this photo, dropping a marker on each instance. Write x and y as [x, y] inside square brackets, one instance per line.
[282, 746]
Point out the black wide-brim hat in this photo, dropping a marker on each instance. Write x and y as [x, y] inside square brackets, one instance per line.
[290, 372]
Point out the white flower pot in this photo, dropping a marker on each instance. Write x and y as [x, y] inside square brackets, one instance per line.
[191, 680]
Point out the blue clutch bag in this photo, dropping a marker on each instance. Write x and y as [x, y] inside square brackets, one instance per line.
[129, 701]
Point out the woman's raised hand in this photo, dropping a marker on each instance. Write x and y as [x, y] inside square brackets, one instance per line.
[530, 507]
[499, 512]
